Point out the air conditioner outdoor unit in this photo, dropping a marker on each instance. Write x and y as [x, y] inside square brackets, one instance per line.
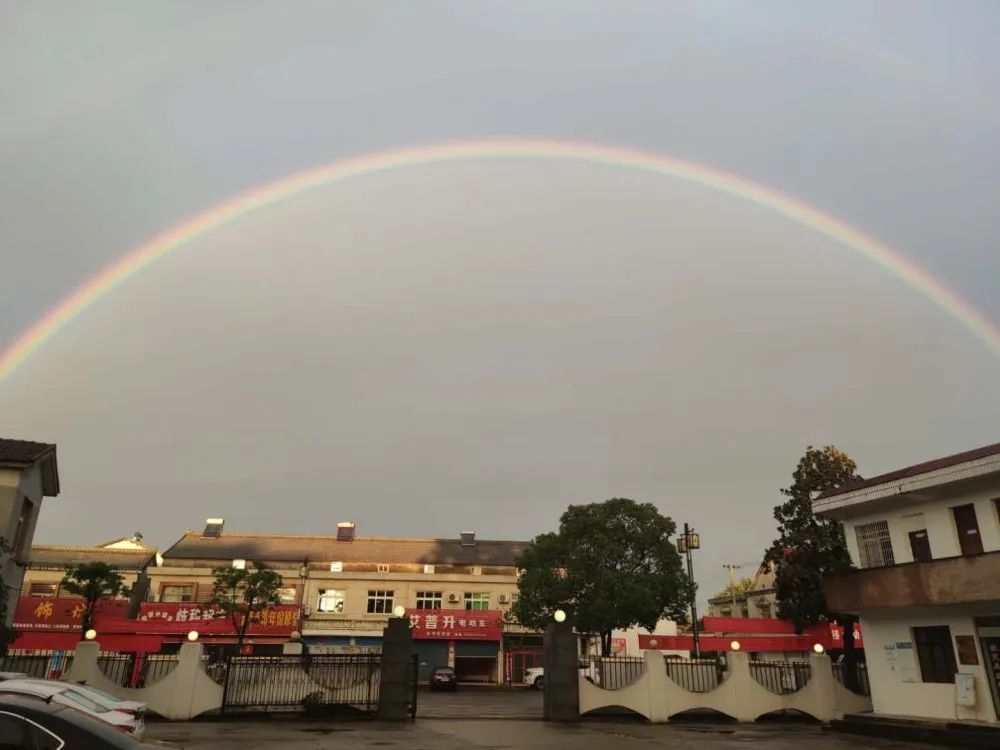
[502, 598]
[452, 598]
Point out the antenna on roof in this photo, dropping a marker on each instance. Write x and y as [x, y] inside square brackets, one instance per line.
[213, 527]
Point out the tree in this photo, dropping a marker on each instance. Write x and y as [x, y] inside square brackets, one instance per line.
[809, 548]
[93, 581]
[740, 588]
[611, 565]
[242, 593]
[7, 633]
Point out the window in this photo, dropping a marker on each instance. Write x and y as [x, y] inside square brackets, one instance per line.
[20, 732]
[477, 600]
[287, 595]
[331, 600]
[382, 568]
[20, 547]
[429, 569]
[476, 570]
[379, 602]
[240, 564]
[42, 589]
[764, 610]
[429, 599]
[935, 653]
[874, 546]
[177, 592]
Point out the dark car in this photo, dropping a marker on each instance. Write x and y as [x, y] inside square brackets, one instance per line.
[29, 723]
[443, 678]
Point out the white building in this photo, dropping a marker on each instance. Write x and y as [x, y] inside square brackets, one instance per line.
[926, 540]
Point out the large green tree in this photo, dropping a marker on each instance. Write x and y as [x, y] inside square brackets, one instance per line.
[93, 581]
[242, 593]
[809, 548]
[611, 565]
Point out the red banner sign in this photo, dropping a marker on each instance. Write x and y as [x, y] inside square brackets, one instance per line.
[455, 624]
[63, 613]
[280, 619]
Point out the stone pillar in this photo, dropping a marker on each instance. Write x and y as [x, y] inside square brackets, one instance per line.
[396, 688]
[562, 676]
[823, 681]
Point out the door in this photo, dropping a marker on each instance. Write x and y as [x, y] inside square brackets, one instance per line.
[989, 641]
[920, 546]
[968, 529]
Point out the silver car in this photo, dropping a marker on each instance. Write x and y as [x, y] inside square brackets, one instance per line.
[129, 716]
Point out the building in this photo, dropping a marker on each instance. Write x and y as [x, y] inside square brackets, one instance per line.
[343, 588]
[926, 542]
[28, 473]
[759, 601]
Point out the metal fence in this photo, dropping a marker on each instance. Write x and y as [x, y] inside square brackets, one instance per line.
[153, 668]
[781, 677]
[302, 682]
[118, 666]
[613, 672]
[696, 675]
[839, 673]
[40, 663]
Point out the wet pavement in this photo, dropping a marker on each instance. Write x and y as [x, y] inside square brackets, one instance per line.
[493, 734]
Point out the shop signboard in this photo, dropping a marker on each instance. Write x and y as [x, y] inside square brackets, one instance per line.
[455, 624]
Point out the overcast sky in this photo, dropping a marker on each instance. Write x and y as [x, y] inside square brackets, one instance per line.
[478, 345]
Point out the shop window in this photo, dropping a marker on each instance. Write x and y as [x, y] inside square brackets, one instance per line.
[477, 600]
[379, 602]
[429, 599]
[177, 592]
[874, 545]
[43, 589]
[287, 595]
[935, 653]
[331, 600]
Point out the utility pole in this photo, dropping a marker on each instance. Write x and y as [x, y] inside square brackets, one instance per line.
[731, 567]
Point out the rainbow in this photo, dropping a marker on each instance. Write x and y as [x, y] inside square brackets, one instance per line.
[791, 208]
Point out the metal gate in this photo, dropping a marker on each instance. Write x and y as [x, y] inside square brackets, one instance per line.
[302, 682]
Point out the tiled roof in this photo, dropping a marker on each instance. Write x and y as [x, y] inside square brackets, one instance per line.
[269, 547]
[49, 556]
[916, 469]
[23, 451]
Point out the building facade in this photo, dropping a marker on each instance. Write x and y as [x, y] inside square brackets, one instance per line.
[457, 592]
[926, 542]
[28, 473]
[759, 601]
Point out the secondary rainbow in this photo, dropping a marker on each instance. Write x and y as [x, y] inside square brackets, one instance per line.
[791, 208]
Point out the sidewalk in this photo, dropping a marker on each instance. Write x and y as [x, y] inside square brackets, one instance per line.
[971, 734]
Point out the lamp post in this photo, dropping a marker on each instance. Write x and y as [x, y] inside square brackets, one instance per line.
[685, 543]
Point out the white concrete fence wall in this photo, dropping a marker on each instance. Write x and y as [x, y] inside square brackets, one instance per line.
[182, 694]
[657, 697]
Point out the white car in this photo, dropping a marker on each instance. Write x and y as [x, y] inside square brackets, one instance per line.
[128, 716]
[535, 676]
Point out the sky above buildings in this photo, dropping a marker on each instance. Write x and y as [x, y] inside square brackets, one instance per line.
[479, 343]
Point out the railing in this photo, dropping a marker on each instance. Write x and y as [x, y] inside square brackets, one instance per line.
[41, 663]
[864, 688]
[118, 666]
[301, 682]
[613, 672]
[781, 677]
[696, 675]
[154, 667]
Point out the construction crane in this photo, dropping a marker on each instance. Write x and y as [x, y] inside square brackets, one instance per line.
[732, 568]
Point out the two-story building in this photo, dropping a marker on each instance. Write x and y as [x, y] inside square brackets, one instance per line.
[455, 591]
[28, 473]
[926, 542]
[759, 600]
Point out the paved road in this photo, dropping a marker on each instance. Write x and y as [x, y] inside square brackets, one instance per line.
[487, 734]
[481, 703]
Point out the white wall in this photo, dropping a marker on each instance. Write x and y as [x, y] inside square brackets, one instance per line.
[891, 695]
[940, 524]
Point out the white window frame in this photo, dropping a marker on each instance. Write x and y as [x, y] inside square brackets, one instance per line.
[380, 601]
[473, 598]
[382, 567]
[435, 598]
[476, 570]
[32, 584]
[283, 599]
[429, 569]
[874, 544]
[334, 595]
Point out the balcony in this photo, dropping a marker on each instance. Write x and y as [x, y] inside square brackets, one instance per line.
[948, 581]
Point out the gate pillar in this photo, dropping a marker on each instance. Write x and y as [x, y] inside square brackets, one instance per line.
[398, 677]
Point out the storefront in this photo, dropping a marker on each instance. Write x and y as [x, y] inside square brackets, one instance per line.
[521, 652]
[467, 641]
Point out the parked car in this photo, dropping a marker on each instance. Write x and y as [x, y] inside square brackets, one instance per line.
[443, 678]
[13, 676]
[535, 676]
[126, 716]
[32, 722]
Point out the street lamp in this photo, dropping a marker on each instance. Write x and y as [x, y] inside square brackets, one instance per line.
[690, 541]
